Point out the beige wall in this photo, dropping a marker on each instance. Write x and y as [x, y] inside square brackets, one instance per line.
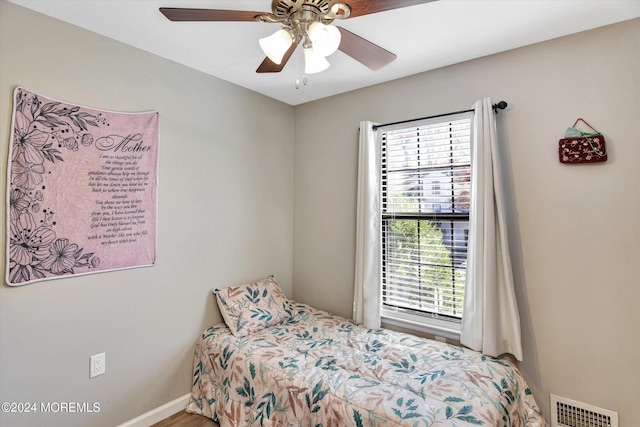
[574, 229]
[225, 217]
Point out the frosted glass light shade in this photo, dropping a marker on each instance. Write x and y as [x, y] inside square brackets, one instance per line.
[314, 62]
[276, 45]
[325, 38]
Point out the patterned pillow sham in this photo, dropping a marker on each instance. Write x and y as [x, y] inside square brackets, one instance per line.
[250, 308]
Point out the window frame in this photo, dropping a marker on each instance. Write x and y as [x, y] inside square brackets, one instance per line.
[427, 323]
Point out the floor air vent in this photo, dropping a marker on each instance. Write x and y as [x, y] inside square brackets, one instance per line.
[569, 413]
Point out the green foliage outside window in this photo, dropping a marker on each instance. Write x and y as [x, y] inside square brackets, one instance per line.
[420, 263]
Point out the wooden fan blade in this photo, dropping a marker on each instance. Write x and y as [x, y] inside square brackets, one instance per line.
[365, 7]
[181, 14]
[268, 66]
[362, 50]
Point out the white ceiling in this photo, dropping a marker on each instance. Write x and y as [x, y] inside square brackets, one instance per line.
[423, 37]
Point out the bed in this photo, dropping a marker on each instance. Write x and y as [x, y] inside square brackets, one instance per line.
[275, 362]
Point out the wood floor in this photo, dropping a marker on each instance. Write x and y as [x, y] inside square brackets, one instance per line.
[184, 419]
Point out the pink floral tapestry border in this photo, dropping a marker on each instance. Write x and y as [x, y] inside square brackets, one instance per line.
[81, 190]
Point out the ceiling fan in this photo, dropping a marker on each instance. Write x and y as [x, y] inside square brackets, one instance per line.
[307, 22]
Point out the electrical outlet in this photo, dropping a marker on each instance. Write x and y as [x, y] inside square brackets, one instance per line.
[97, 365]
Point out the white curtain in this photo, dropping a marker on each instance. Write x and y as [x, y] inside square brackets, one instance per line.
[366, 301]
[490, 323]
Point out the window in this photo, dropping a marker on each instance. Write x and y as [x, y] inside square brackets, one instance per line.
[426, 185]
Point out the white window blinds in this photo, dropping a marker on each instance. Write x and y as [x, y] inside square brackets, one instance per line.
[426, 183]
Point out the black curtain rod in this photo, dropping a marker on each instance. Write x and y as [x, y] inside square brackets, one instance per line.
[499, 106]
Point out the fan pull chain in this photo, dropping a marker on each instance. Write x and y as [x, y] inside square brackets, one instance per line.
[297, 71]
[304, 76]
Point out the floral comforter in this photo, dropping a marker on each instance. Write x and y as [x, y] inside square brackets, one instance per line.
[322, 370]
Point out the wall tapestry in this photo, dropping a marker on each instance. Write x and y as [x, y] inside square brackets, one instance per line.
[81, 190]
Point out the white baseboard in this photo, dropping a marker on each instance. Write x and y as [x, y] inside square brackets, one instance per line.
[160, 413]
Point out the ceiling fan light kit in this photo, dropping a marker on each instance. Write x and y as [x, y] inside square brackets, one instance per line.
[325, 38]
[276, 45]
[306, 22]
[314, 62]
